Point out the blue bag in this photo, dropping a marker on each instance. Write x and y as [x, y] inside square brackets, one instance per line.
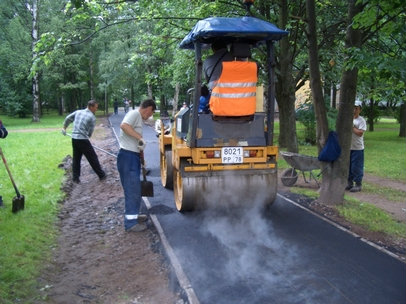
[331, 150]
[3, 130]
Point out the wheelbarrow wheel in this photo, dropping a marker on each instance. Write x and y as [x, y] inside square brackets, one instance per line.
[289, 177]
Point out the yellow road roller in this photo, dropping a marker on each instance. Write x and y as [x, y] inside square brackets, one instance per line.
[225, 156]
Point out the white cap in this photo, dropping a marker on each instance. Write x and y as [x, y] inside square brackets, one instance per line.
[358, 103]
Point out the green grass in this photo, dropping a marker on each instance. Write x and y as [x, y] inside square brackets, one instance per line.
[385, 154]
[307, 192]
[386, 192]
[51, 120]
[363, 214]
[371, 217]
[48, 121]
[27, 237]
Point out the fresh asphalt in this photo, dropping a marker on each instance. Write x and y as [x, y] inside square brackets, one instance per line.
[287, 255]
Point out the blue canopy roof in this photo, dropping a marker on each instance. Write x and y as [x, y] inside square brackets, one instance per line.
[232, 29]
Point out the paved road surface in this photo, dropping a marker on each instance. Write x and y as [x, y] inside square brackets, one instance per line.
[286, 256]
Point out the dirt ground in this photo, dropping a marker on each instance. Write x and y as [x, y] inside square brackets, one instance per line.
[96, 261]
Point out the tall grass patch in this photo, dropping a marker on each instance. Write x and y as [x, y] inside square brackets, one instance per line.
[26, 238]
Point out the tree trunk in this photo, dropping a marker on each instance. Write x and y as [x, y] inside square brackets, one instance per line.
[162, 106]
[176, 99]
[371, 115]
[402, 129]
[285, 89]
[91, 75]
[333, 96]
[149, 88]
[61, 105]
[132, 96]
[285, 97]
[35, 79]
[106, 102]
[335, 177]
[315, 78]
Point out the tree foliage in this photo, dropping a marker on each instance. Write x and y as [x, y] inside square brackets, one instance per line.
[116, 49]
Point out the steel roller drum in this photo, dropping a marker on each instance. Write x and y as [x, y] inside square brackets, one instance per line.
[224, 189]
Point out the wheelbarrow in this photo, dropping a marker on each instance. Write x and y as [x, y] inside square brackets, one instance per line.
[300, 162]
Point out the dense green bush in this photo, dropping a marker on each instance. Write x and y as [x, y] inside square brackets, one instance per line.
[305, 115]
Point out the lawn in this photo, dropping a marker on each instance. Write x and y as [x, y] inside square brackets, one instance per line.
[27, 237]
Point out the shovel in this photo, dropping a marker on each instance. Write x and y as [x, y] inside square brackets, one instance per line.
[147, 188]
[97, 148]
[18, 201]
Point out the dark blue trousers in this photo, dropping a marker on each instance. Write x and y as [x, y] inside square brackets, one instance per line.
[84, 147]
[129, 167]
[356, 167]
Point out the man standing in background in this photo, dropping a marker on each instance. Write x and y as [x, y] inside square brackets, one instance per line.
[356, 172]
[115, 105]
[84, 122]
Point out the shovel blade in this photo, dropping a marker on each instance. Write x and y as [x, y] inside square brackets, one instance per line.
[147, 189]
[18, 203]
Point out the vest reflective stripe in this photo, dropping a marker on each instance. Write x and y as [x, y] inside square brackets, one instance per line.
[236, 84]
[131, 216]
[234, 94]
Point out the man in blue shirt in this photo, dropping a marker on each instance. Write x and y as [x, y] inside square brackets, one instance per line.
[83, 125]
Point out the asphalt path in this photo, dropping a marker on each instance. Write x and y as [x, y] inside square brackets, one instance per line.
[287, 255]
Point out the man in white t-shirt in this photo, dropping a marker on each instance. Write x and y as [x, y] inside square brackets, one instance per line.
[356, 172]
[129, 163]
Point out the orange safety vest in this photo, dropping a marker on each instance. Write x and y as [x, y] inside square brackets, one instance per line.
[234, 94]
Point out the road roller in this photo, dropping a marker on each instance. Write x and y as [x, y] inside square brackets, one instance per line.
[225, 156]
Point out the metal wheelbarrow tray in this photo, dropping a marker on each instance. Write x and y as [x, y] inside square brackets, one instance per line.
[303, 163]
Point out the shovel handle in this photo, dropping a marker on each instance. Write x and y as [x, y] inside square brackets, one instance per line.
[9, 173]
[144, 171]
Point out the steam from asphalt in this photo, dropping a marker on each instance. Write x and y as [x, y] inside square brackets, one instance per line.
[254, 250]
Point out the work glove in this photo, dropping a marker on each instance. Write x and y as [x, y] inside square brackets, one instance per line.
[63, 131]
[141, 144]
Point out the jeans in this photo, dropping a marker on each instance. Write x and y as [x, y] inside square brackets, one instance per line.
[84, 147]
[356, 167]
[129, 167]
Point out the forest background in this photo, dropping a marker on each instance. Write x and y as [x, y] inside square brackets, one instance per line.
[60, 54]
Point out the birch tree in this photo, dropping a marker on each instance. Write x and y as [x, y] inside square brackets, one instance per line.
[36, 111]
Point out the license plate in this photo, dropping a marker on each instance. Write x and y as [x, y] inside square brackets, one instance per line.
[232, 155]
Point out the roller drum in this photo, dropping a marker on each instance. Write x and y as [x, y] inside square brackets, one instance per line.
[225, 189]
